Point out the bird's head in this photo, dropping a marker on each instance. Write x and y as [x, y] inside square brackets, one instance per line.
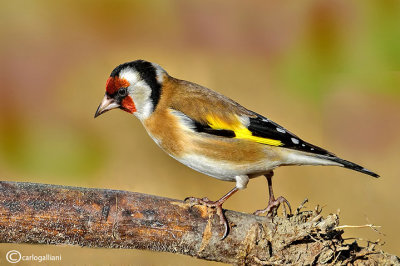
[134, 87]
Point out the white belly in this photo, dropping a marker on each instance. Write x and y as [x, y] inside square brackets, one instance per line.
[222, 169]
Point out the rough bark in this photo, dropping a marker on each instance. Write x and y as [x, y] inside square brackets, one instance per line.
[50, 214]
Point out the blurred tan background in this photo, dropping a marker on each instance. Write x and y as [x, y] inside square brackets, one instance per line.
[328, 71]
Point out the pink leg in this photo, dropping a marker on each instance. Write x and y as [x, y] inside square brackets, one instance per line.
[273, 204]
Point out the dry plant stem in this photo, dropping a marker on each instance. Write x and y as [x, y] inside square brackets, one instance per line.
[359, 226]
[49, 214]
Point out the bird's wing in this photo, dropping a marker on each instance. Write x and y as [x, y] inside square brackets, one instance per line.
[215, 114]
[254, 128]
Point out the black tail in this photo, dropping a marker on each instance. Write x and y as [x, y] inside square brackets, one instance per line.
[352, 166]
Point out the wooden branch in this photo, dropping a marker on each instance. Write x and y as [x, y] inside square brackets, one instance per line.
[49, 214]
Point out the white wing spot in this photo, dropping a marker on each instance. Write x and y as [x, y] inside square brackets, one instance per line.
[245, 120]
[303, 145]
[295, 141]
[312, 149]
[280, 130]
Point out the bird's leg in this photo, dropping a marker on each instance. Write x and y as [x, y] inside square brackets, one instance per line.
[273, 204]
[218, 206]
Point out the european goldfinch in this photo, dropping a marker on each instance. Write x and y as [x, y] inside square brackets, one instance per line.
[209, 132]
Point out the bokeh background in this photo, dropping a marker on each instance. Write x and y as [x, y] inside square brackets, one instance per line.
[329, 71]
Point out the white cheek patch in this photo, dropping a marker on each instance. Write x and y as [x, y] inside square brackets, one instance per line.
[140, 94]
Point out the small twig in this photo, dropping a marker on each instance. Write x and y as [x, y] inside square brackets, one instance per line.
[358, 226]
[373, 227]
[336, 257]
[301, 206]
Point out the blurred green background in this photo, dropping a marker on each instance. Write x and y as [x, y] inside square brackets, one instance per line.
[326, 70]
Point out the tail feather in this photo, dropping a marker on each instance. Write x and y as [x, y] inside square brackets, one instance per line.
[352, 166]
[302, 158]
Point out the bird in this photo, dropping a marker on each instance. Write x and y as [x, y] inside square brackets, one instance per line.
[210, 132]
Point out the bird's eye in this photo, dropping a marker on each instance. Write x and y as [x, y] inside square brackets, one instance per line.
[122, 92]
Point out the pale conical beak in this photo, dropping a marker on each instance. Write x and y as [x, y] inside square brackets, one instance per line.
[106, 104]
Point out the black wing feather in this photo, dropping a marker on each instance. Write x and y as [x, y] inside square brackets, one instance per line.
[199, 127]
[263, 127]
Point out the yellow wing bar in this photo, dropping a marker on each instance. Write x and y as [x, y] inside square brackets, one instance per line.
[241, 132]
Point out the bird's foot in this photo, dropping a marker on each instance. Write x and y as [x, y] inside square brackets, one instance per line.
[273, 206]
[217, 205]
